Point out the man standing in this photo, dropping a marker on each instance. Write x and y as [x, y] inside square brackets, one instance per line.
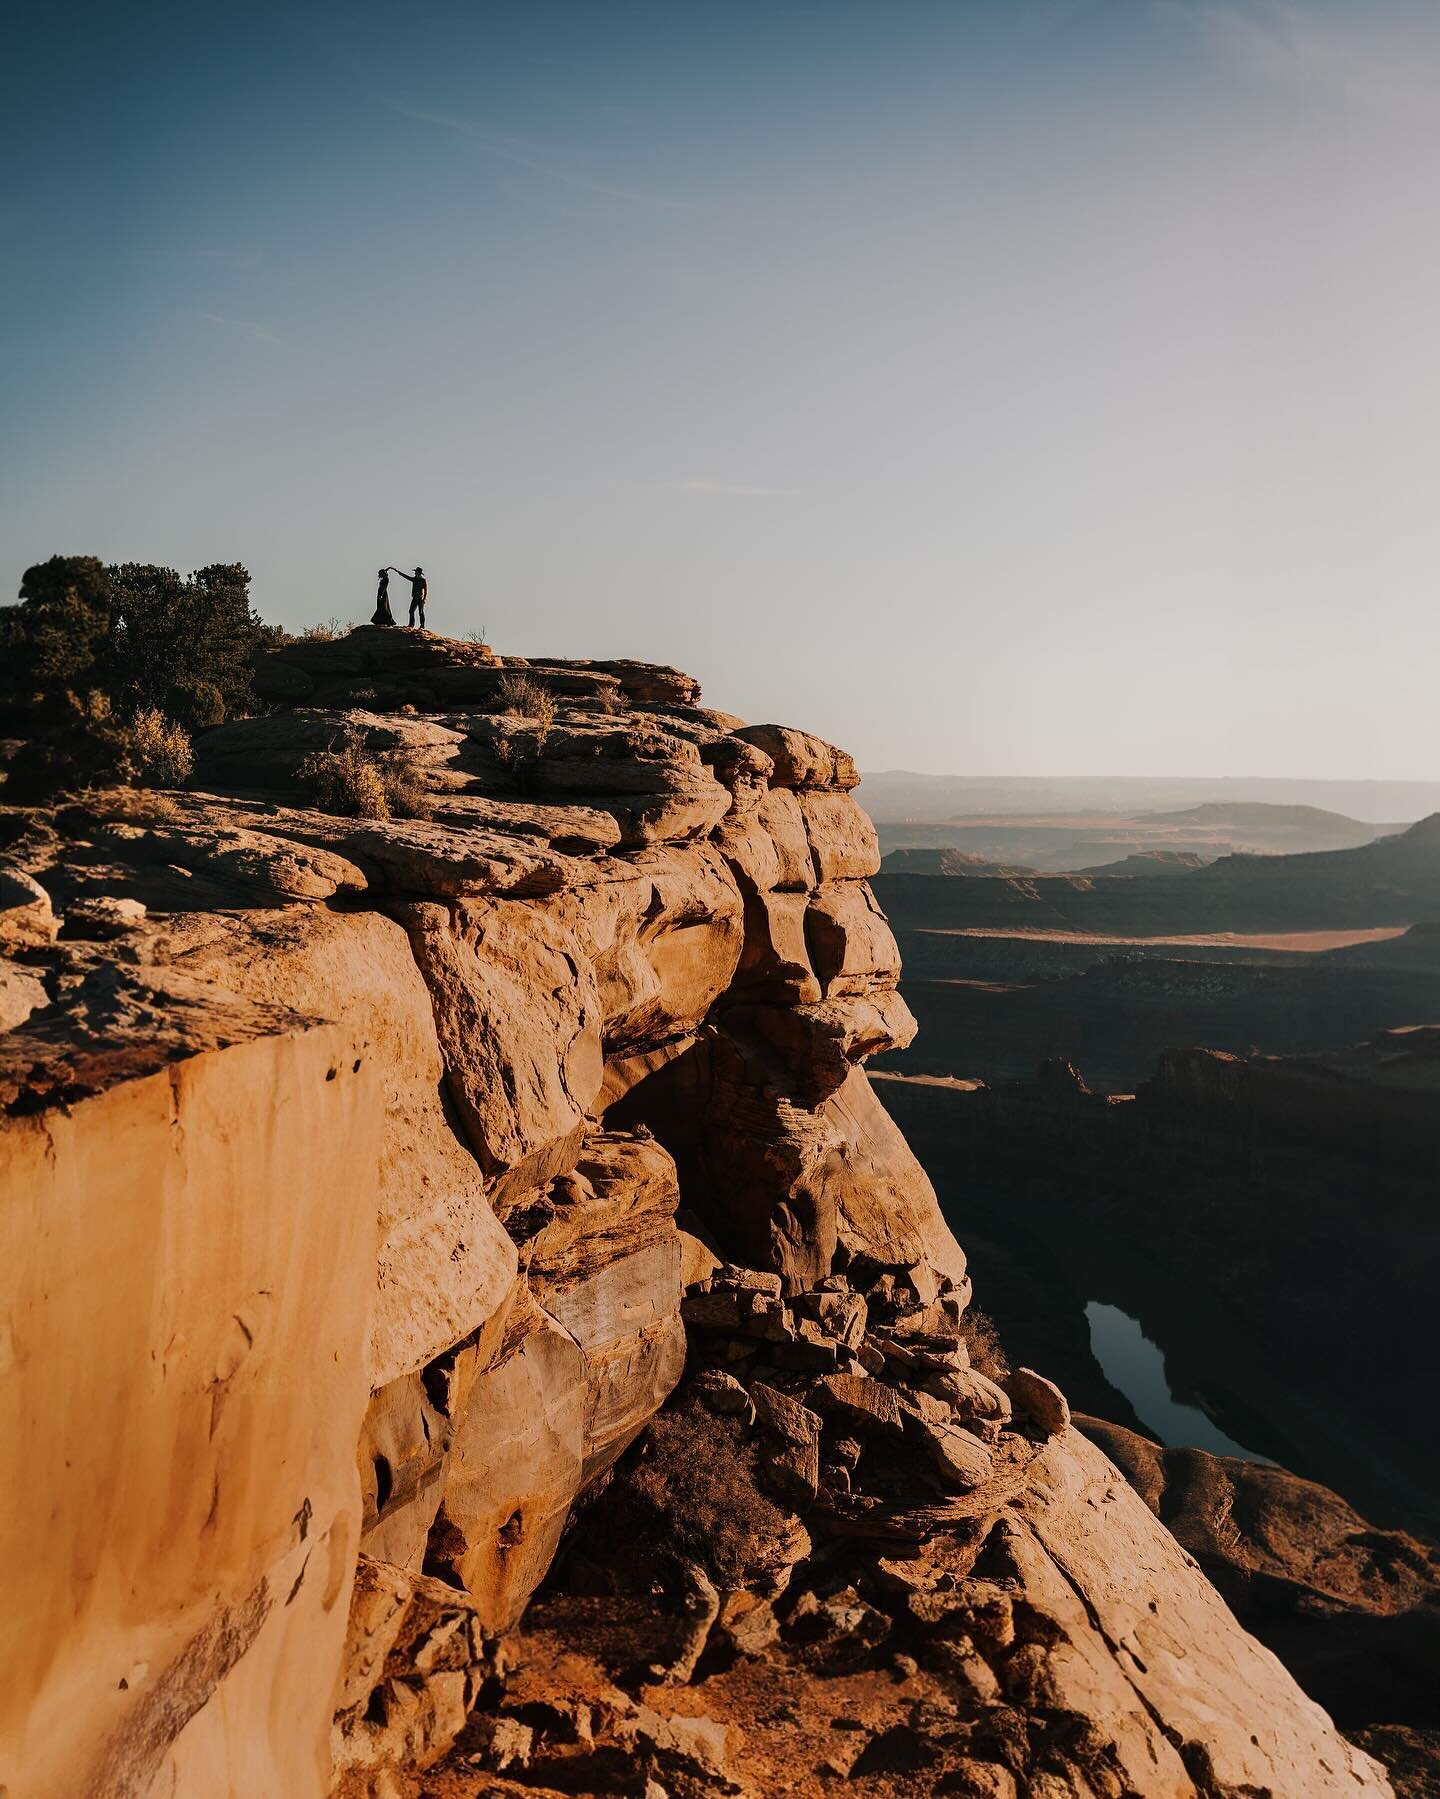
[419, 592]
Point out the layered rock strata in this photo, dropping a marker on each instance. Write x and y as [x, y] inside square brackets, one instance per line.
[370, 1184]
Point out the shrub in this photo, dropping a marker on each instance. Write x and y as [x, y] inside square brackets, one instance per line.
[693, 1493]
[521, 692]
[400, 777]
[56, 640]
[353, 783]
[155, 751]
[327, 631]
[198, 704]
[137, 636]
[981, 1338]
[346, 780]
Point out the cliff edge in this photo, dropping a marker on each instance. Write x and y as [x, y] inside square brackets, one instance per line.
[371, 1183]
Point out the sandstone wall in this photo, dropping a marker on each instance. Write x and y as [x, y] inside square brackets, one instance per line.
[188, 1260]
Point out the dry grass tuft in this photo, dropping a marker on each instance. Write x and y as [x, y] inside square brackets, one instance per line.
[521, 692]
[981, 1338]
[400, 777]
[345, 781]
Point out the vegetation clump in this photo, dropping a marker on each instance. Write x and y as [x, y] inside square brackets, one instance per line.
[522, 693]
[352, 782]
[92, 652]
[157, 751]
[693, 1494]
[981, 1338]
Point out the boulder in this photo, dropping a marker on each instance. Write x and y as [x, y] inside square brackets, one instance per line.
[607, 1269]
[1038, 1401]
[789, 1441]
[843, 844]
[961, 1458]
[860, 1404]
[27, 917]
[515, 1465]
[100, 918]
[802, 760]
[852, 948]
[21, 994]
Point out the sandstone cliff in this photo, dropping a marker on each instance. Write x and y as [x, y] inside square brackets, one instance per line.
[370, 1184]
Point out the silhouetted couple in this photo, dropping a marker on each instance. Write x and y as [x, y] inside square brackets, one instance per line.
[419, 592]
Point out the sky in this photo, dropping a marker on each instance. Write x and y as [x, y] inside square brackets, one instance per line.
[1034, 387]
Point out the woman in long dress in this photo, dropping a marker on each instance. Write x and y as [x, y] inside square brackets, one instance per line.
[383, 614]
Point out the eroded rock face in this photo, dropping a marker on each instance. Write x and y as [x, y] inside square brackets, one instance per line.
[516, 1461]
[343, 1161]
[182, 1544]
[1352, 1610]
[605, 1263]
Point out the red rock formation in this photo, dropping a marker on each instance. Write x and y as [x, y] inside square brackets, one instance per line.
[343, 1158]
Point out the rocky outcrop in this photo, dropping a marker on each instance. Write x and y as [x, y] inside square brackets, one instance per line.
[1352, 1611]
[370, 1185]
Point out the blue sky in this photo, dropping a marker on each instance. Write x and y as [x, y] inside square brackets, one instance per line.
[1018, 387]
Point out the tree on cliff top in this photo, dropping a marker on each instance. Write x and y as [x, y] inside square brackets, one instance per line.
[56, 638]
[141, 634]
[91, 652]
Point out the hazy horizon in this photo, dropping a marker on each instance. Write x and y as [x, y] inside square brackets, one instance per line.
[991, 388]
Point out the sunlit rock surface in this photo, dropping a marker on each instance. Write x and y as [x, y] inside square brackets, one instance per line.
[342, 1164]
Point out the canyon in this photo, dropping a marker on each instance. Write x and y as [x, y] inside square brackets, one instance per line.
[474, 1327]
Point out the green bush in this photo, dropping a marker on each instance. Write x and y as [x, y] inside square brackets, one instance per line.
[198, 704]
[142, 634]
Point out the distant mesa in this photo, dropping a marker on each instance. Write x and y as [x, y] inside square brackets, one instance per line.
[1066, 841]
[935, 861]
[1150, 862]
[1390, 881]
